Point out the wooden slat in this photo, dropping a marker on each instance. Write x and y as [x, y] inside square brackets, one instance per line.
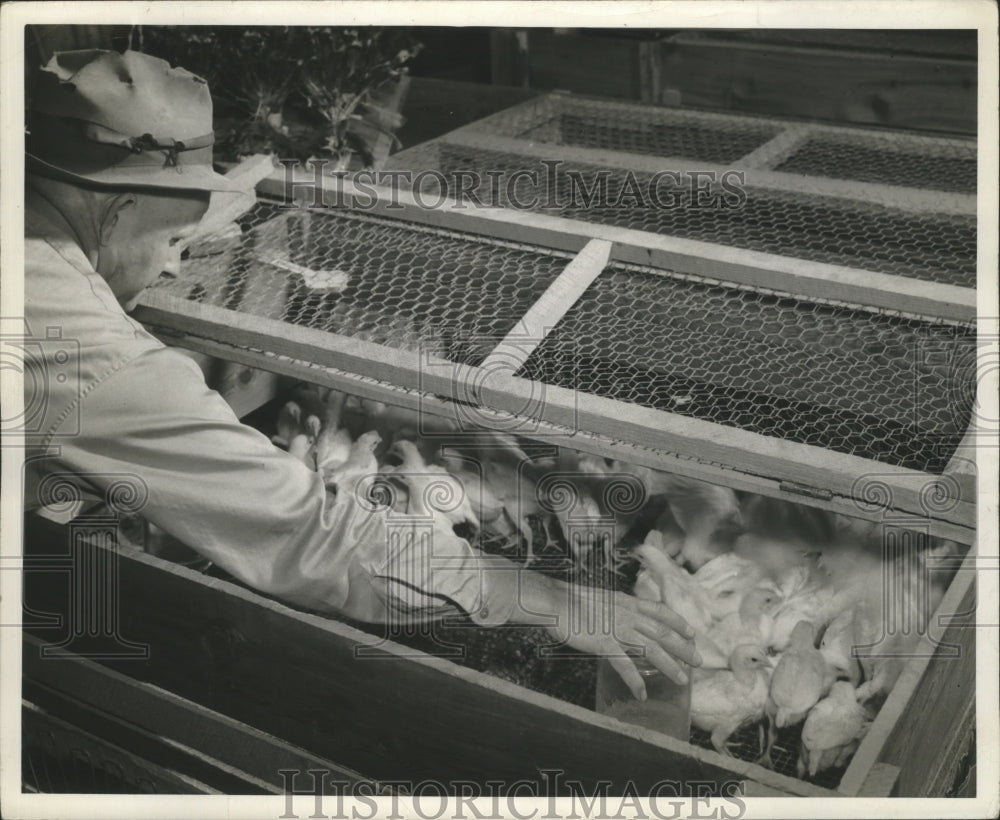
[368, 388]
[245, 749]
[69, 740]
[882, 781]
[962, 468]
[395, 713]
[913, 200]
[227, 206]
[530, 331]
[815, 280]
[923, 710]
[777, 149]
[760, 455]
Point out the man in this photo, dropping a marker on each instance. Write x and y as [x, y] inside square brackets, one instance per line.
[119, 174]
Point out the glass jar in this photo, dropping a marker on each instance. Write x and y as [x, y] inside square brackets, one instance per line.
[667, 707]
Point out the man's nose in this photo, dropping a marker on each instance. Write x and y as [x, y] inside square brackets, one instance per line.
[172, 263]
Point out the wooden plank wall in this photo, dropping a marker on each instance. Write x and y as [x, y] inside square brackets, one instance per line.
[877, 84]
[922, 80]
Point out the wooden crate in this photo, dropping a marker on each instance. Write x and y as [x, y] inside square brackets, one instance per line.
[410, 715]
[257, 687]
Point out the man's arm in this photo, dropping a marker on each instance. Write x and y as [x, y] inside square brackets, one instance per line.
[225, 490]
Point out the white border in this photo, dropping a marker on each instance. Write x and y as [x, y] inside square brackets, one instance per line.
[911, 14]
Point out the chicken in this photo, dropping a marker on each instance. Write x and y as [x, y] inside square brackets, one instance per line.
[838, 640]
[483, 500]
[333, 444]
[360, 464]
[287, 424]
[816, 603]
[833, 729]
[700, 509]
[574, 518]
[750, 624]
[301, 444]
[432, 488]
[724, 701]
[800, 679]
[392, 421]
[789, 563]
[882, 667]
[519, 496]
[726, 580]
[662, 579]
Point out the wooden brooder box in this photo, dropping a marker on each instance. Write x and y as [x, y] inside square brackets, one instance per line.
[816, 344]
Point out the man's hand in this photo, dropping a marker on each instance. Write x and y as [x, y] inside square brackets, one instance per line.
[612, 625]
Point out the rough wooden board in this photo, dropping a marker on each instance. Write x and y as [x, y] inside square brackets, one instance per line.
[896, 90]
[800, 277]
[913, 200]
[166, 715]
[928, 701]
[539, 430]
[130, 766]
[395, 714]
[881, 781]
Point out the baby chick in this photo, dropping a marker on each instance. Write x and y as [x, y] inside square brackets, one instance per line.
[360, 464]
[428, 483]
[518, 494]
[726, 580]
[816, 603]
[724, 701]
[832, 731]
[583, 510]
[800, 679]
[287, 424]
[700, 509]
[750, 624]
[333, 444]
[483, 500]
[662, 579]
[301, 444]
[838, 640]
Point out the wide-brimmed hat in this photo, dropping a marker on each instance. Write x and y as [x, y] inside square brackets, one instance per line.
[122, 120]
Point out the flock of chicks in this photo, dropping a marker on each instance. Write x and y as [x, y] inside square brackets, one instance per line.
[778, 594]
[782, 614]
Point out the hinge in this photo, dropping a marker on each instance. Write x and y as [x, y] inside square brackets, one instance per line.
[805, 489]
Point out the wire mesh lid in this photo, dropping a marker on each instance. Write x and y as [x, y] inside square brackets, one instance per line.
[883, 387]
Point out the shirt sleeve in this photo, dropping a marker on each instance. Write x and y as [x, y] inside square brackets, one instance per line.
[225, 490]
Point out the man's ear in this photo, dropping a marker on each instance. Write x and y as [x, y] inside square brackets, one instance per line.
[111, 208]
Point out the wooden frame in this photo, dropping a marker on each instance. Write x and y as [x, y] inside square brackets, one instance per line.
[914, 200]
[815, 280]
[805, 466]
[395, 714]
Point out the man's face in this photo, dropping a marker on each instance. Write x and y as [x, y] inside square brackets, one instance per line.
[143, 238]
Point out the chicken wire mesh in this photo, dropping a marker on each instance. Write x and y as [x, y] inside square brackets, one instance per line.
[936, 247]
[673, 137]
[449, 294]
[887, 388]
[856, 153]
[884, 162]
